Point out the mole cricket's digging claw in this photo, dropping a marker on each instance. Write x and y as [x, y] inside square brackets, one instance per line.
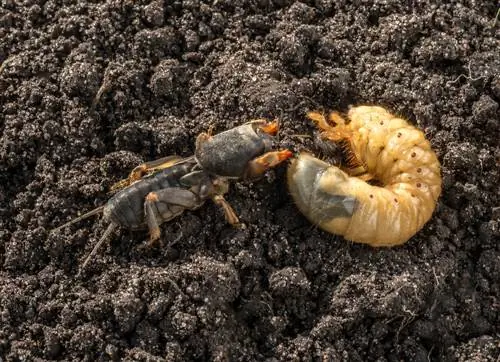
[261, 164]
[270, 127]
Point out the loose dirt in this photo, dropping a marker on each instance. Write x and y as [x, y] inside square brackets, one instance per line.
[90, 89]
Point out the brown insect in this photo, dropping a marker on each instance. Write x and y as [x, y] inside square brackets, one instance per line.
[381, 148]
[160, 190]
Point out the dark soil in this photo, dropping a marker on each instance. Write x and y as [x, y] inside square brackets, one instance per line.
[90, 89]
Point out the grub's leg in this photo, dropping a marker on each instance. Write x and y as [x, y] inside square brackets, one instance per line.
[229, 213]
[340, 132]
[144, 169]
[336, 118]
[165, 204]
[320, 121]
[335, 133]
[258, 166]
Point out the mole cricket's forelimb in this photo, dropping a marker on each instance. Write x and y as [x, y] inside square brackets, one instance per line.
[257, 167]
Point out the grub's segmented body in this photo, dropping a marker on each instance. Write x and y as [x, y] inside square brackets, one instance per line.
[383, 148]
[126, 208]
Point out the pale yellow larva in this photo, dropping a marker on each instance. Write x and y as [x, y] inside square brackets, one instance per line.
[383, 148]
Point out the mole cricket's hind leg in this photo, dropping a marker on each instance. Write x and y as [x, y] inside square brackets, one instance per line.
[164, 205]
[144, 169]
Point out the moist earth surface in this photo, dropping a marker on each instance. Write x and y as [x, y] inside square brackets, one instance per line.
[89, 90]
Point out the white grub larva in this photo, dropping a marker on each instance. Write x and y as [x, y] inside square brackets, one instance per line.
[380, 147]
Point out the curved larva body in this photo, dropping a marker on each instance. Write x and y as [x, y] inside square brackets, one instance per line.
[385, 148]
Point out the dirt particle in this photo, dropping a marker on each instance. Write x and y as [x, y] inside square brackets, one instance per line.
[289, 281]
